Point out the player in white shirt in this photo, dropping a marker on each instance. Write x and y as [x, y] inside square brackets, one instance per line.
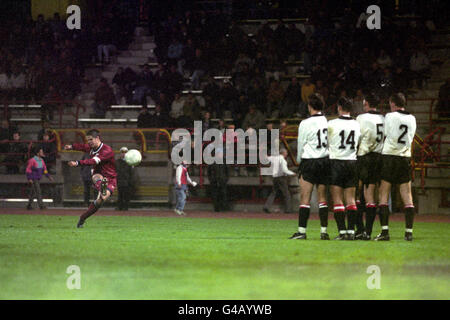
[369, 163]
[400, 128]
[343, 139]
[314, 169]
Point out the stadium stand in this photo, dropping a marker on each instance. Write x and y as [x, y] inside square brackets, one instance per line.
[222, 63]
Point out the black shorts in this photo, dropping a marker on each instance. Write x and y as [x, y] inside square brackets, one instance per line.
[395, 169]
[369, 168]
[344, 173]
[315, 171]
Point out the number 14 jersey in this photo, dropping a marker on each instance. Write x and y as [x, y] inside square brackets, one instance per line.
[343, 138]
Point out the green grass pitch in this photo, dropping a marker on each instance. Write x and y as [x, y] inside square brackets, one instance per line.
[194, 258]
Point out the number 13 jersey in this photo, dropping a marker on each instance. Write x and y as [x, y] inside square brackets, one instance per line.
[312, 140]
[343, 138]
[400, 128]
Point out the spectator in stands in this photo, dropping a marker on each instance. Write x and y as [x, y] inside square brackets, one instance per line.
[106, 46]
[125, 181]
[159, 117]
[198, 67]
[191, 110]
[228, 98]
[210, 94]
[400, 60]
[176, 110]
[6, 134]
[175, 51]
[45, 128]
[254, 119]
[221, 126]
[173, 82]
[400, 80]
[443, 106]
[187, 56]
[275, 97]
[206, 121]
[143, 86]
[17, 83]
[50, 103]
[257, 95]
[144, 118]
[119, 83]
[35, 169]
[292, 98]
[104, 98]
[69, 84]
[419, 66]
[308, 88]
[17, 152]
[384, 60]
[86, 177]
[49, 148]
[130, 80]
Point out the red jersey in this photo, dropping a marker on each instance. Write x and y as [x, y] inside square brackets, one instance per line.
[102, 159]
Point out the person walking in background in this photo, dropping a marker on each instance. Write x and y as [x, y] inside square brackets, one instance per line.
[35, 169]
[125, 178]
[86, 176]
[218, 179]
[280, 172]
[181, 182]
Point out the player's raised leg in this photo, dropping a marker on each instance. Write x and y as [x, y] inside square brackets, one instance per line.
[101, 185]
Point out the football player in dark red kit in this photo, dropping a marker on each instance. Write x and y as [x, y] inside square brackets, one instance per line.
[104, 170]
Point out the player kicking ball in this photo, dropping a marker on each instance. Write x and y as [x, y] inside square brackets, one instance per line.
[400, 128]
[104, 170]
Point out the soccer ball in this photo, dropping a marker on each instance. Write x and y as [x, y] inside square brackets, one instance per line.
[133, 157]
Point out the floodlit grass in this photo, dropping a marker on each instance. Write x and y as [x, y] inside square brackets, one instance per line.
[193, 258]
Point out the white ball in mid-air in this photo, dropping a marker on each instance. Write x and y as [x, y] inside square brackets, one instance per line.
[133, 157]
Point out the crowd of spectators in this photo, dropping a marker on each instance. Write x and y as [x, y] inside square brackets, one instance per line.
[43, 60]
[15, 151]
[341, 58]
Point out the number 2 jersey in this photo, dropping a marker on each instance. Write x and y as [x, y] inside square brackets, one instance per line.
[372, 132]
[312, 142]
[343, 138]
[400, 128]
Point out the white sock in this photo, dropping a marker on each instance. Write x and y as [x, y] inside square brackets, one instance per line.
[323, 229]
[409, 230]
[301, 230]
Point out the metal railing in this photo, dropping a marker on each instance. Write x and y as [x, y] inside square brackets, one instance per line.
[61, 107]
